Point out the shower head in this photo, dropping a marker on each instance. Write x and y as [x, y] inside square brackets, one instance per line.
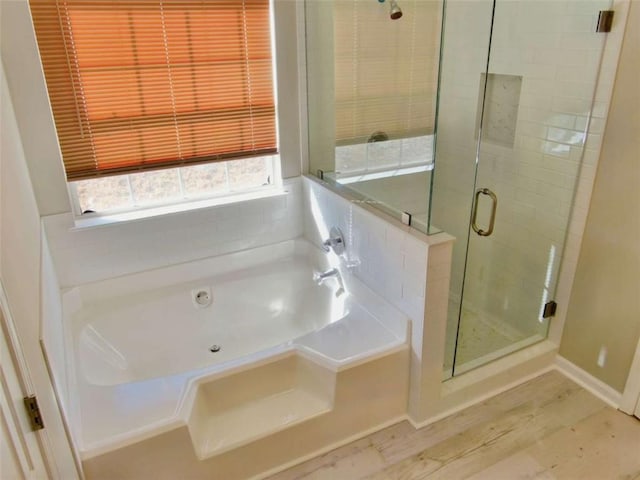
[394, 10]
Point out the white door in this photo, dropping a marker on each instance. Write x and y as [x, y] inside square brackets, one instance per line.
[21, 457]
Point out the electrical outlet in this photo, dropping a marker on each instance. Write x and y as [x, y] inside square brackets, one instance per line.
[602, 356]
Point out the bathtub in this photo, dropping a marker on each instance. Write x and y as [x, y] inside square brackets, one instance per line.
[144, 344]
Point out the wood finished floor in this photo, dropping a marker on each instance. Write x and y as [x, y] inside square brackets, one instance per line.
[548, 428]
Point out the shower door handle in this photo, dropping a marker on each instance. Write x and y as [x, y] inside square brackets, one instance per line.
[492, 221]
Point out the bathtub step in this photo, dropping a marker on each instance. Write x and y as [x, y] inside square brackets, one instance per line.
[244, 407]
[252, 421]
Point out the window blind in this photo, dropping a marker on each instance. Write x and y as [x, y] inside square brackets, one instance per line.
[141, 84]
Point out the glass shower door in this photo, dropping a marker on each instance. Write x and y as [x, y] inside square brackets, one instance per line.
[535, 98]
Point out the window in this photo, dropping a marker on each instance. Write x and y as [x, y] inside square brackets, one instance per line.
[148, 84]
[172, 185]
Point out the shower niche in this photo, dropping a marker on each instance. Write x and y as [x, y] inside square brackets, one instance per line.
[499, 99]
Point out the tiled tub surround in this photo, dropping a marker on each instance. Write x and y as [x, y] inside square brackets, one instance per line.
[143, 364]
[409, 269]
[83, 255]
[386, 257]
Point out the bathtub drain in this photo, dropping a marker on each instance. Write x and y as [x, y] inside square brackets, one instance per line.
[215, 348]
[201, 297]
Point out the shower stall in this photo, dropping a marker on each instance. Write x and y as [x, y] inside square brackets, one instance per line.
[468, 117]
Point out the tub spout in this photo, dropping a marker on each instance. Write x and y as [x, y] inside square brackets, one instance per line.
[321, 277]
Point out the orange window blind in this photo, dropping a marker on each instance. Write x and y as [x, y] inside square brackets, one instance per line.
[141, 84]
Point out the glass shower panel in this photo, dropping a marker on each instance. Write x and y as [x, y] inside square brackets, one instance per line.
[465, 46]
[532, 120]
[372, 83]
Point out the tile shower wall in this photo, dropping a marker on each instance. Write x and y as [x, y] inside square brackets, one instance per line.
[90, 254]
[553, 48]
[389, 260]
[593, 144]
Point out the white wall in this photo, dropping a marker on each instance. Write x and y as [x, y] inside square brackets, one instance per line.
[20, 276]
[286, 35]
[604, 312]
[53, 332]
[31, 103]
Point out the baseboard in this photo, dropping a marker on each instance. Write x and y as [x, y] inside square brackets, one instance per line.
[329, 448]
[587, 381]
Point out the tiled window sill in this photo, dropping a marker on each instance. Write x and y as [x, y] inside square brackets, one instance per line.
[93, 221]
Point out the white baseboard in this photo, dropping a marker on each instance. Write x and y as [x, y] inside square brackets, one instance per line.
[587, 381]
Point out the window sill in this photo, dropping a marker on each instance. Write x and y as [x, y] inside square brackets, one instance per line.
[143, 213]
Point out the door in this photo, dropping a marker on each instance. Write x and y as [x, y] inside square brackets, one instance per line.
[21, 457]
[533, 93]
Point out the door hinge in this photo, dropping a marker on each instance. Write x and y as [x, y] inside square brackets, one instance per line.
[605, 20]
[33, 411]
[549, 309]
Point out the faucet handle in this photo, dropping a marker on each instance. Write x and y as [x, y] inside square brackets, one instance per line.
[335, 242]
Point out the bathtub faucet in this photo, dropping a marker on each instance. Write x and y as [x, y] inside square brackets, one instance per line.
[335, 241]
[321, 277]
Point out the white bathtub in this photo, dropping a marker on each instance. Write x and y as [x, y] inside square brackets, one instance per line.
[141, 343]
